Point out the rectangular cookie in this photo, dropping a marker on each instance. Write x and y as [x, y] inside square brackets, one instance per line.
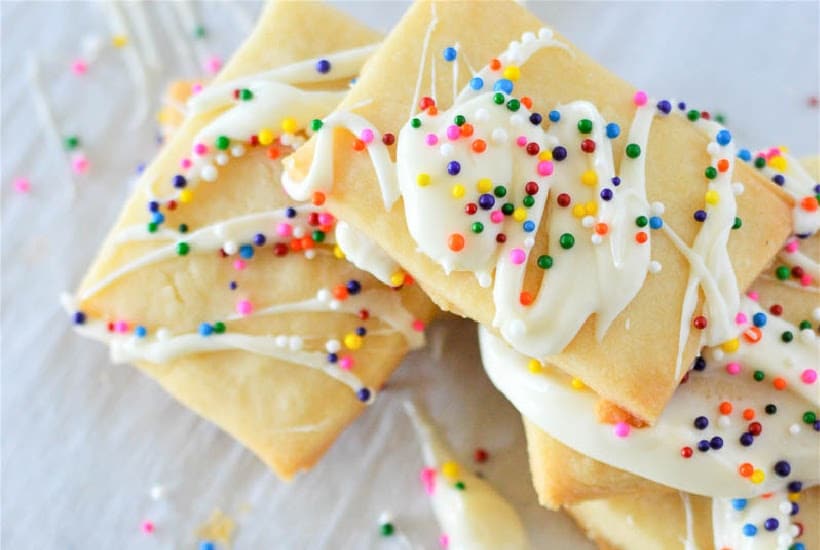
[456, 165]
[233, 297]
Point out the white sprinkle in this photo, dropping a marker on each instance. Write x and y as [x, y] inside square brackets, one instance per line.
[484, 279]
[230, 247]
[784, 540]
[281, 340]
[385, 517]
[157, 492]
[323, 295]
[334, 305]
[596, 238]
[588, 221]
[499, 136]
[222, 159]
[310, 254]
[655, 266]
[481, 115]
[163, 334]
[332, 346]
[238, 150]
[527, 37]
[785, 507]
[298, 232]
[718, 354]
[807, 336]
[815, 314]
[738, 188]
[209, 172]
[446, 149]
[657, 208]
[794, 429]
[295, 343]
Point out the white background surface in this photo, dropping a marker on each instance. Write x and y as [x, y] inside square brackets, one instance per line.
[83, 441]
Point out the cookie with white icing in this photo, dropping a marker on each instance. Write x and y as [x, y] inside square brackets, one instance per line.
[232, 296]
[526, 187]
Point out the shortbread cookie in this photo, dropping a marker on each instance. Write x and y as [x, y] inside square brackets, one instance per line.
[233, 297]
[590, 225]
[659, 521]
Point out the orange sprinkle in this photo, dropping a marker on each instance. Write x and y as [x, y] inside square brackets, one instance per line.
[340, 292]
[601, 228]
[296, 245]
[307, 243]
[526, 101]
[526, 298]
[495, 64]
[479, 146]
[722, 165]
[466, 130]
[358, 145]
[725, 408]
[748, 414]
[641, 237]
[456, 242]
[432, 110]
[408, 279]
[318, 198]
[767, 495]
[779, 383]
[752, 335]
[746, 469]
[273, 152]
[809, 204]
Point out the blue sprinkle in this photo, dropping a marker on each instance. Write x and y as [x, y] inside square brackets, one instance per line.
[795, 509]
[140, 331]
[332, 357]
[616, 181]
[779, 179]
[723, 137]
[682, 106]
[290, 212]
[749, 530]
[655, 222]
[744, 155]
[361, 331]
[453, 167]
[140, 168]
[797, 546]
[232, 285]
[664, 106]
[529, 226]
[323, 66]
[555, 116]
[476, 83]
[207, 545]
[180, 181]
[205, 329]
[363, 395]
[606, 194]
[246, 251]
[158, 217]
[771, 524]
[354, 286]
[79, 318]
[503, 85]
[153, 206]
[450, 53]
[759, 319]
[739, 503]
[613, 130]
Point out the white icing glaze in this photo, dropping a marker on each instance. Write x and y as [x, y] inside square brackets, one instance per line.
[475, 518]
[729, 516]
[799, 184]
[689, 542]
[364, 253]
[567, 414]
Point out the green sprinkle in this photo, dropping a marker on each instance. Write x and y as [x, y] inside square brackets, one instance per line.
[72, 142]
[710, 172]
[633, 150]
[152, 227]
[183, 248]
[693, 115]
[805, 324]
[545, 262]
[738, 223]
[477, 227]
[219, 327]
[641, 221]
[460, 485]
[245, 94]
[183, 228]
[459, 120]
[759, 375]
[720, 118]
[771, 408]
[415, 123]
[528, 201]
[809, 417]
[316, 124]
[513, 105]
[585, 126]
[386, 529]
[507, 208]
[199, 32]
[319, 236]
[782, 272]
[500, 191]
[787, 336]
[222, 143]
[566, 241]
[760, 162]
[498, 98]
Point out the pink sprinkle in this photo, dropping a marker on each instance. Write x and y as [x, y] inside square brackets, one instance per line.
[753, 295]
[431, 139]
[79, 67]
[346, 362]
[741, 319]
[453, 132]
[521, 141]
[284, 229]
[326, 218]
[79, 163]
[148, 527]
[621, 429]
[213, 64]
[244, 307]
[792, 246]
[367, 135]
[518, 256]
[428, 479]
[497, 216]
[545, 168]
[22, 185]
[809, 376]
[121, 327]
[774, 152]
[239, 265]
[806, 280]
[200, 149]
[418, 325]
[733, 368]
[640, 98]
[186, 163]
[196, 88]
[444, 541]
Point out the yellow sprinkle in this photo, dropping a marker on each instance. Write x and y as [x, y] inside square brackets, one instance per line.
[712, 197]
[758, 476]
[423, 180]
[590, 177]
[779, 163]
[545, 155]
[579, 211]
[458, 191]
[730, 346]
[450, 469]
[794, 497]
[289, 125]
[535, 366]
[186, 196]
[783, 148]
[353, 341]
[119, 40]
[520, 214]
[397, 279]
[512, 72]
[265, 136]
[577, 384]
[338, 252]
[484, 185]
[591, 208]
